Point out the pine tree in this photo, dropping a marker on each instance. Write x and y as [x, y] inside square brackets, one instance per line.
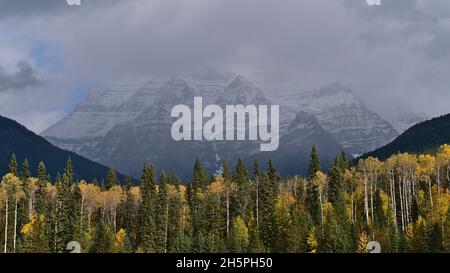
[255, 244]
[103, 239]
[41, 191]
[68, 172]
[312, 189]
[267, 207]
[13, 165]
[25, 172]
[242, 205]
[199, 177]
[147, 224]
[111, 179]
[435, 242]
[335, 177]
[175, 180]
[314, 164]
[298, 231]
[162, 224]
[272, 173]
[313, 202]
[66, 214]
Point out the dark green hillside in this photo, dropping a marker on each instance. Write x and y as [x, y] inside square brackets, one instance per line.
[15, 138]
[423, 137]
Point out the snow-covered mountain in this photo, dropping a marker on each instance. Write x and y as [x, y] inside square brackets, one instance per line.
[343, 114]
[127, 128]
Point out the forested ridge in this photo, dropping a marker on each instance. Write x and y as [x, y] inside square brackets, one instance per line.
[402, 202]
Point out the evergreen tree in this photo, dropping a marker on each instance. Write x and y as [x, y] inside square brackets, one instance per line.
[163, 213]
[175, 180]
[41, 191]
[314, 164]
[272, 173]
[242, 205]
[267, 207]
[13, 165]
[255, 244]
[435, 239]
[147, 224]
[111, 179]
[335, 177]
[69, 173]
[103, 238]
[312, 189]
[199, 177]
[25, 172]
[313, 201]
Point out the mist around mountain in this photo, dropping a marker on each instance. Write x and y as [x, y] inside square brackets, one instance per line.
[127, 128]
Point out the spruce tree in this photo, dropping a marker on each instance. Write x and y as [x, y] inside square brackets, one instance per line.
[69, 172]
[111, 179]
[147, 224]
[312, 189]
[41, 191]
[267, 206]
[25, 171]
[242, 205]
[255, 244]
[335, 179]
[314, 164]
[103, 238]
[13, 165]
[162, 223]
[272, 173]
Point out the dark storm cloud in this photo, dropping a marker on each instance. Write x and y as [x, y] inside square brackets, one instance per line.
[25, 76]
[393, 54]
[26, 7]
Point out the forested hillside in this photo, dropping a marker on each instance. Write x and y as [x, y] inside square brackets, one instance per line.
[15, 138]
[403, 203]
[427, 136]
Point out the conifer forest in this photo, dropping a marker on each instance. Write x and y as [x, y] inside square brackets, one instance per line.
[403, 203]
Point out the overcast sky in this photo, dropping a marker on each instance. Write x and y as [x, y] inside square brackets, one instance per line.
[395, 56]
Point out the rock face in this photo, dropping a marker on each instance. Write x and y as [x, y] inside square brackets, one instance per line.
[340, 112]
[128, 128]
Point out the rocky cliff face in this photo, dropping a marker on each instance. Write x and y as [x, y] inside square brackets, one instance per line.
[343, 114]
[128, 128]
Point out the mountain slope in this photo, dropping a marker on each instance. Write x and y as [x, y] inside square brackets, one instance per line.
[136, 129]
[17, 139]
[344, 115]
[422, 137]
